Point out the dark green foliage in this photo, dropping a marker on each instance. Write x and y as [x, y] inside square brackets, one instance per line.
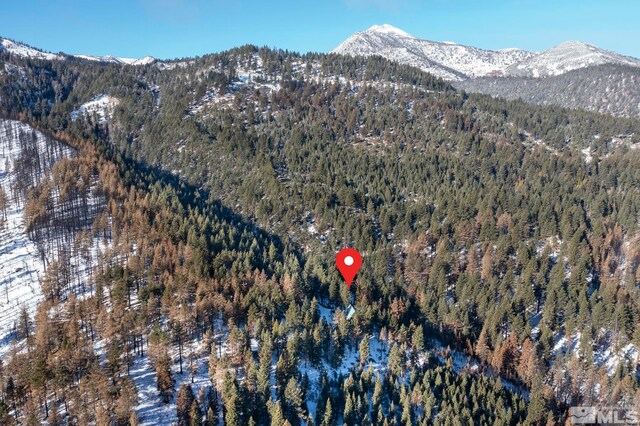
[470, 213]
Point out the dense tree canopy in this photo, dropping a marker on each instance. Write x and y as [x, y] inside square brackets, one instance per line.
[228, 182]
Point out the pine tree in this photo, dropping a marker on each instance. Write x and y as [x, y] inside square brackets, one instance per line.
[293, 402]
[506, 358]
[348, 415]
[327, 420]
[529, 364]
[212, 418]
[396, 360]
[406, 411]
[4, 205]
[264, 370]
[483, 352]
[133, 419]
[277, 416]
[231, 401]
[418, 339]
[376, 398]
[164, 378]
[24, 325]
[364, 350]
[195, 414]
[537, 410]
[213, 366]
[183, 405]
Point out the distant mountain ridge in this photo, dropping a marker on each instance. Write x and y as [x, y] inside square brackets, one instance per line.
[449, 61]
[568, 56]
[26, 51]
[609, 89]
[456, 62]
[572, 74]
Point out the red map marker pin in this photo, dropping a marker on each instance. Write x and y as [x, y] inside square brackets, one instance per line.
[348, 262]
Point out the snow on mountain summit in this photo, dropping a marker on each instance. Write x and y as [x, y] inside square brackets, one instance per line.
[456, 62]
[117, 60]
[448, 60]
[24, 51]
[388, 29]
[568, 56]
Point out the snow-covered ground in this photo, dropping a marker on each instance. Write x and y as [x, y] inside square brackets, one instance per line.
[20, 265]
[377, 362]
[22, 50]
[251, 78]
[151, 410]
[101, 105]
[246, 77]
[604, 355]
[611, 359]
[21, 260]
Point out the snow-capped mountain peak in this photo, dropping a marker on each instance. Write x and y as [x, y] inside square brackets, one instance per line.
[449, 60]
[144, 60]
[25, 51]
[388, 29]
[568, 56]
[117, 60]
[456, 62]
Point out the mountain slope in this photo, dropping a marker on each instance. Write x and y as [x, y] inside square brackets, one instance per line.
[446, 60]
[567, 57]
[457, 62]
[116, 60]
[503, 230]
[31, 243]
[572, 74]
[609, 89]
[24, 51]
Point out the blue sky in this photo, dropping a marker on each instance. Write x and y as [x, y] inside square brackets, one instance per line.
[179, 28]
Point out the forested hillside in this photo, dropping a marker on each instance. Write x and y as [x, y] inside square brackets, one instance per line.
[609, 89]
[500, 243]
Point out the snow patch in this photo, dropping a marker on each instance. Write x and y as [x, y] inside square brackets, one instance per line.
[102, 105]
[117, 60]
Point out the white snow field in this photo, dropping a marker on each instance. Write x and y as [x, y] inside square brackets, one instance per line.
[20, 265]
[101, 105]
[22, 260]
